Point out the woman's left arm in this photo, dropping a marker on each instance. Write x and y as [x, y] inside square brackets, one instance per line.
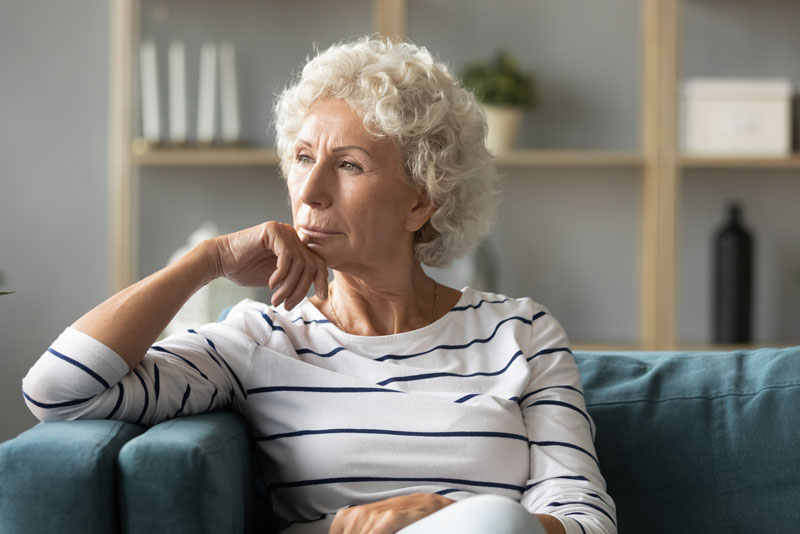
[565, 481]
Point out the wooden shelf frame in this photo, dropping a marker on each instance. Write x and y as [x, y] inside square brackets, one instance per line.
[658, 161]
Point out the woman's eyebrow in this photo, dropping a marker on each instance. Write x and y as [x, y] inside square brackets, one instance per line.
[348, 147]
[338, 148]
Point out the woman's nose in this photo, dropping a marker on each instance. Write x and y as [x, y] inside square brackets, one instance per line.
[316, 188]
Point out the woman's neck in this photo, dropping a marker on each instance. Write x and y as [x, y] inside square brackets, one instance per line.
[383, 305]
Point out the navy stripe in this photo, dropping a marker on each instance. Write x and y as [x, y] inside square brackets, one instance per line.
[212, 357]
[146, 396]
[550, 351]
[439, 375]
[192, 331]
[465, 398]
[576, 521]
[532, 393]
[185, 398]
[393, 433]
[570, 503]
[189, 363]
[271, 325]
[565, 477]
[563, 405]
[438, 347]
[272, 389]
[56, 404]
[464, 346]
[320, 481]
[80, 366]
[325, 355]
[564, 444]
[448, 490]
[318, 321]
[119, 401]
[156, 379]
[231, 371]
[478, 305]
[211, 402]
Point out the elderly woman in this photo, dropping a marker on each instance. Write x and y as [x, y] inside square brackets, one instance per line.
[385, 402]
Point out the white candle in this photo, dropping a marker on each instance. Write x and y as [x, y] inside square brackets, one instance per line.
[177, 93]
[207, 93]
[230, 104]
[148, 72]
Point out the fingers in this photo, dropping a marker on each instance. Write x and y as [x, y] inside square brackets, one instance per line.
[289, 282]
[296, 268]
[321, 282]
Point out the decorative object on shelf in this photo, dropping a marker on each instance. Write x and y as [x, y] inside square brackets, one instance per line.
[206, 95]
[228, 94]
[505, 91]
[207, 303]
[737, 117]
[2, 281]
[177, 93]
[148, 72]
[733, 280]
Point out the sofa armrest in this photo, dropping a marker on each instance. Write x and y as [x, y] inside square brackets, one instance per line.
[191, 474]
[61, 477]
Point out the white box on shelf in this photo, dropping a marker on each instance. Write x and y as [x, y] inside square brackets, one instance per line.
[737, 117]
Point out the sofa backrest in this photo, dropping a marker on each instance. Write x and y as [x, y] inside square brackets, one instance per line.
[698, 442]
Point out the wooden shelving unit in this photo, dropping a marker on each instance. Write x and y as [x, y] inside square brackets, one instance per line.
[724, 162]
[144, 155]
[658, 161]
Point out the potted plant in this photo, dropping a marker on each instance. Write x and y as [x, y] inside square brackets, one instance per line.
[505, 91]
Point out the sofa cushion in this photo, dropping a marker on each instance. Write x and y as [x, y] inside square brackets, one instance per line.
[61, 477]
[188, 475]
[698, 442]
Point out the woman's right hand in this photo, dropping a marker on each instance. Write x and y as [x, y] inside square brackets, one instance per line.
[271, 253]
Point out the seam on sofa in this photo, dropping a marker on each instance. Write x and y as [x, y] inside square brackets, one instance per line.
[694, 397]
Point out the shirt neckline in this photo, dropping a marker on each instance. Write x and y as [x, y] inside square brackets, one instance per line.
[315, 314]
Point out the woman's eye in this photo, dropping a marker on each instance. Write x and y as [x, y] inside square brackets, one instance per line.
[349, 166]
[303, 158]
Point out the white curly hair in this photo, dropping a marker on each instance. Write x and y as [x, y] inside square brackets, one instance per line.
[403, 93]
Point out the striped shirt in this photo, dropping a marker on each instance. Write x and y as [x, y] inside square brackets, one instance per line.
[487, 399]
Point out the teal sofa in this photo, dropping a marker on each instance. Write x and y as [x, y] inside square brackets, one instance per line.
[702, 442]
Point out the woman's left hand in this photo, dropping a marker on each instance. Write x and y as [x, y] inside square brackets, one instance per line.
[387, 516]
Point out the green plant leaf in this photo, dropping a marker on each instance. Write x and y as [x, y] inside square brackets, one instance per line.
[500, 81]
[5, 292]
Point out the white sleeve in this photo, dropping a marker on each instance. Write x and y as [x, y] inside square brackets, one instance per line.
[565, 479]
[190, 372]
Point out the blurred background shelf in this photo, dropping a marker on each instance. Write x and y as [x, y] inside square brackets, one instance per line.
[725, 162]
[149, 155]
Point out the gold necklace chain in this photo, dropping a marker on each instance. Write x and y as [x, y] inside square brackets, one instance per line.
[339, 323]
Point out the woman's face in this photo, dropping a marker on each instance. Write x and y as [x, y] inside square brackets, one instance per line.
[350, 202]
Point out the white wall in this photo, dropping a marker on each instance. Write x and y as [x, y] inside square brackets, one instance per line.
[53, 250]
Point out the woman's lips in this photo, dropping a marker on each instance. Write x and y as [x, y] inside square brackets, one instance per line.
[315, 231]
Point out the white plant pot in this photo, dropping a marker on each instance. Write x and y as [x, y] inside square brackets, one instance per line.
[503, 122]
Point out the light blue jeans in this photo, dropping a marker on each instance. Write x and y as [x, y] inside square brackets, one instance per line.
[481, 514]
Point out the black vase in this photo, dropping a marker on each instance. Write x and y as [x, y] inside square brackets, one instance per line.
[733, 280]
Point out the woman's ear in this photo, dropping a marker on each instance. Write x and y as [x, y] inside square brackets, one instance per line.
[421, 212]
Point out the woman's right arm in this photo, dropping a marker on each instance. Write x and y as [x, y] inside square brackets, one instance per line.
[97, 367]
[130, 321]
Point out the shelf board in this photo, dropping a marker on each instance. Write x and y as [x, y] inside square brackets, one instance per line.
[569, 158]
[144, 154]
[148, 155]
[740, 162]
